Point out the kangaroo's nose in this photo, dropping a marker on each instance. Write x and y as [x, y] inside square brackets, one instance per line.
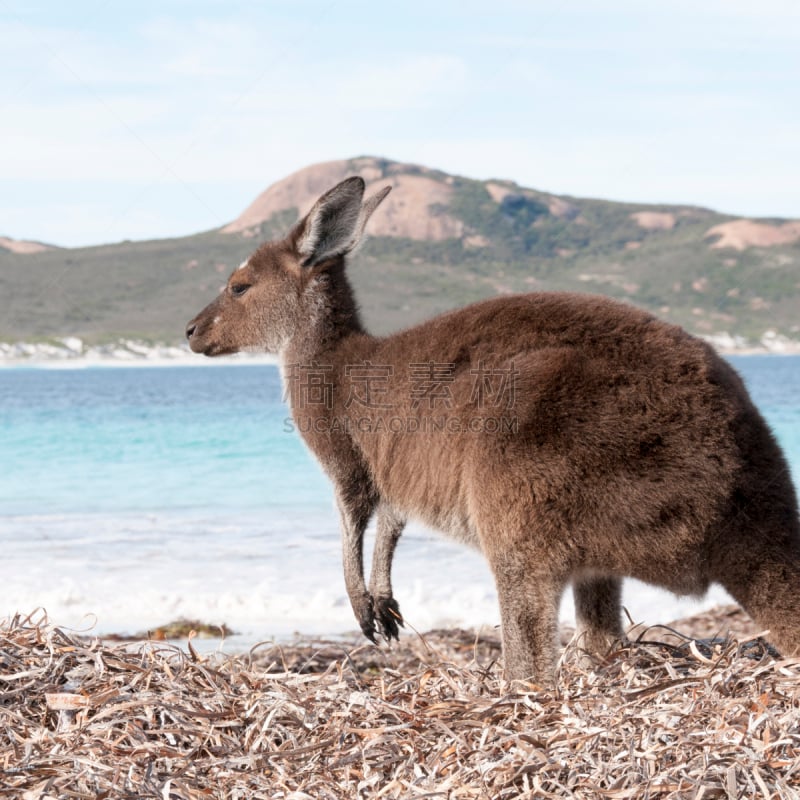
[190, 329]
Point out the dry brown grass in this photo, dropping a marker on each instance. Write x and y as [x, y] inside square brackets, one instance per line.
[428, 718]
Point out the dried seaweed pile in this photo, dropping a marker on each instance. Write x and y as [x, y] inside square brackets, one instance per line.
[429, 718]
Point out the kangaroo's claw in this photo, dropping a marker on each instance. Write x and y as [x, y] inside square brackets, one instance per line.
[388, 616]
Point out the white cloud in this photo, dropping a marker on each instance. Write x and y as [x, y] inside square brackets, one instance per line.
[86, 139]
[204, 48]
[412, 83]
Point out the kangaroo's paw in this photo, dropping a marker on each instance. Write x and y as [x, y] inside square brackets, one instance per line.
[388, 616]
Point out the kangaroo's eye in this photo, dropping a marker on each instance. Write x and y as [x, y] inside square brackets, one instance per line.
[238, 289]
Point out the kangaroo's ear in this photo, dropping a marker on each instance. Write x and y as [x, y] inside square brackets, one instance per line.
[366, 213]
[335, 224]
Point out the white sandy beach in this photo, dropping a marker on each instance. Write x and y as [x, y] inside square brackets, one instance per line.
[72, 352]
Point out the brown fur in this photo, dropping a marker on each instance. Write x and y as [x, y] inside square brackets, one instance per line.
[627, 448]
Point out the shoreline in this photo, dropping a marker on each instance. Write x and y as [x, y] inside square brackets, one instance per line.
[72, 353]
[210, 636]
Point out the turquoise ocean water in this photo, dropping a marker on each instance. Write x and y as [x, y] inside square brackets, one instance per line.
[133, 495]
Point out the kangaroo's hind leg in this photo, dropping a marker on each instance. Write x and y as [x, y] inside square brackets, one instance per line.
[597, 613]
[529, 589]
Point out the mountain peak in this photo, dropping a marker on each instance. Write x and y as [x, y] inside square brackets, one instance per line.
[406, 212]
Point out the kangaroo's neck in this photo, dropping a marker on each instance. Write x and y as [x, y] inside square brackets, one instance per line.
[333, 318]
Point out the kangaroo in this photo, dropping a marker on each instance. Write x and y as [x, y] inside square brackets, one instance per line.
[570, 438]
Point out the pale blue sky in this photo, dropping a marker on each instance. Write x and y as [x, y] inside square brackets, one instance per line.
[153, 119]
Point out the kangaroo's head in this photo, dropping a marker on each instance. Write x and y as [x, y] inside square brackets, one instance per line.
[281, 289]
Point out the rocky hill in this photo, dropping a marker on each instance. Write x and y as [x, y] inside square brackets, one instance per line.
[21, 246]
[438, 241]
